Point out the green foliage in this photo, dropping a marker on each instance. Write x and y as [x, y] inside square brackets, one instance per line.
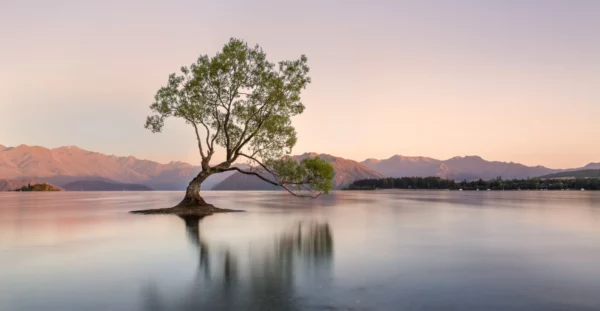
[238, 97]
[241, 102]
[495, 184]
[311, 174]
[319, 172]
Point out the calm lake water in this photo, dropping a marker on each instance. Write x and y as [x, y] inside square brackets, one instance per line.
[377, 250]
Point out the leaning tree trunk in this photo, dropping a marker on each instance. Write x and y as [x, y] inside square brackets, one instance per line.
[192, 194]
[192, 204]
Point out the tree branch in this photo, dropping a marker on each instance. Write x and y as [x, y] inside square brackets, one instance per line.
[257, 151]
[233, 94]
[198, 139]
[272, 183]
[208, 145]
[259, 163]
[234, 168]
[243, 143]
[226, 131]
[304, 182]
[212, 142]
[218, 102]
[189, 102]
[251, 117]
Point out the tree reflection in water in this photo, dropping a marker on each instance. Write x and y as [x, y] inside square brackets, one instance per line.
[268, 283]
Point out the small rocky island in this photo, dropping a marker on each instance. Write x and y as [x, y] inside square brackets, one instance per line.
[38, 187]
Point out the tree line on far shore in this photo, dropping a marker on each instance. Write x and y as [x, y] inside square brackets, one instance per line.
[495, 184]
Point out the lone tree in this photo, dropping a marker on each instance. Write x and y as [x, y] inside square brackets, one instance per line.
[240, 101]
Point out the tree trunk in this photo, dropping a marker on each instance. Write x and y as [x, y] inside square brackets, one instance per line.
[192, 204]
[192, 196]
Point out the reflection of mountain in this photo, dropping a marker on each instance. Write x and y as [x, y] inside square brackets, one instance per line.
[266, 283]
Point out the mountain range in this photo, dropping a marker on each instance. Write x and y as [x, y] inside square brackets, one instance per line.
[457, 168]
[64, 165]
[68, 164]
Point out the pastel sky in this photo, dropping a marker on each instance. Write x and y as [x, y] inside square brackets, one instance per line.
[509, 80]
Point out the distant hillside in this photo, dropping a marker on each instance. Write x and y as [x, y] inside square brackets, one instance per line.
[9, 185]
[457, 168]
[68, 164]
[98, 185]
[592, 166]
[401, 166]
[346, 171]
[575, 174]
[64, 165]
[216, 179]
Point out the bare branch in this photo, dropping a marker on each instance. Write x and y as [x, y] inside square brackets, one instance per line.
[208, 145]
[226, 131]
[257, 151]
[259, 163]
[210, 149]
[273, 183]
[234, 168]
[282, 184]
[198, 139]
[212, 142]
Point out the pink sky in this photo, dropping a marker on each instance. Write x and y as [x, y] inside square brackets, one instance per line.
[506, 80]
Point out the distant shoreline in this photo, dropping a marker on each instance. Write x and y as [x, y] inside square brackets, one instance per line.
[498, 184]
[471, 190]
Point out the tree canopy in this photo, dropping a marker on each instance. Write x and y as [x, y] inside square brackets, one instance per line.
[241, 102]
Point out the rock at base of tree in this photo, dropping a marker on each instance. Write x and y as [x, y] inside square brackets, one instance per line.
[198, 210]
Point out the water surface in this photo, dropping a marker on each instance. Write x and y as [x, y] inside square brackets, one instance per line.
[376, 250]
